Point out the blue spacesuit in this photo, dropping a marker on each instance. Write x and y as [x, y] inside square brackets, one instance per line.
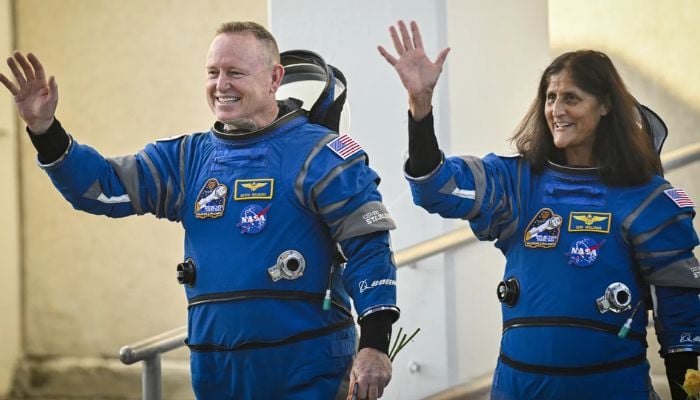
[270, 216]
[583, 262]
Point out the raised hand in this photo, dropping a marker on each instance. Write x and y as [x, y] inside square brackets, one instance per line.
[36, 99]
[418, 74]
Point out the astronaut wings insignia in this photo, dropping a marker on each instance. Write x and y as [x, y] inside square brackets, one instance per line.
[589, 222]
[589, 219]
[253, 186]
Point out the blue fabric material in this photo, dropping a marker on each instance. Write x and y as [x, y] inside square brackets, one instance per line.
[243, 201]
[311, 369]
[631, 383]
[566, 237]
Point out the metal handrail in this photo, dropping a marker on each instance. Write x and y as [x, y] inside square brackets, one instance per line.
[149, 350]
[152, 346]
[681, 157]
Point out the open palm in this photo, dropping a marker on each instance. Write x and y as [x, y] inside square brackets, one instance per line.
[35, 97]
[418, 74]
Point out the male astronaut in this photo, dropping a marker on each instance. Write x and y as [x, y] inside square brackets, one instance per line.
[271, 206]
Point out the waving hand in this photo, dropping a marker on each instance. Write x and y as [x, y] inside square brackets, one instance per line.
[36, 99]
[418, 74]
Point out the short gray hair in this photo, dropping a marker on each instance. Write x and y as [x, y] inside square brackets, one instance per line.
[263, 35]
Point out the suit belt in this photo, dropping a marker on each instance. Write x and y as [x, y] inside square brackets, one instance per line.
[588, 369]
[346, 323]
[570, 322]
[316, 298]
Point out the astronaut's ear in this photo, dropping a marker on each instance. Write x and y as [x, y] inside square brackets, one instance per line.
[605, 107]
[277, 75]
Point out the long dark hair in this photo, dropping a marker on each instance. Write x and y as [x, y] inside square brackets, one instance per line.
[622, 148]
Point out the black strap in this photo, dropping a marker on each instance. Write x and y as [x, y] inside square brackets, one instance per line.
[263, 294]
[253, 294]
[331, 118]
[584, 370]
[346, 323]
[570, 322]
[307, 65]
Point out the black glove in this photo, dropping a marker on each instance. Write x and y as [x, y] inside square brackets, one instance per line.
[676, 366]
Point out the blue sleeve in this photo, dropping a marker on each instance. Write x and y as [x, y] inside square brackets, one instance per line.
[482, 191]
[343, 191]
[148, 182]
[677, 318]
[663, 238]
[449, 191]
[370, 273]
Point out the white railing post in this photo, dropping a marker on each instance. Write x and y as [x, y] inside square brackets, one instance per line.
[150, 378]
[149, 351]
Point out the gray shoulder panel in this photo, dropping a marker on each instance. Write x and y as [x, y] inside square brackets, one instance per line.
[370, 217]
[512, 227]
[299, 182]
[682, 273]
[323, 183]
[629, 220]
[126, 168]
[643, 237]
[476, 166]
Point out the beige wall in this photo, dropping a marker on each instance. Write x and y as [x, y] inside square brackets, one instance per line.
[657, 38]
[498, 52]
[10, 339]
[128, 72]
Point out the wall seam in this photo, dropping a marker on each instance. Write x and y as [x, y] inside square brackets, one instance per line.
[443, 129]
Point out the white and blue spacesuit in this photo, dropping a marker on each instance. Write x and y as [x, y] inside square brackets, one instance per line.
[583, 262]
[283, 226]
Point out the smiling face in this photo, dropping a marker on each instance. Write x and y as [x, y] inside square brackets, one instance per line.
[572, 115]
[242, 81]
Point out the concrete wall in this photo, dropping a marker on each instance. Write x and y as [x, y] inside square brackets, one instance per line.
[10, 330]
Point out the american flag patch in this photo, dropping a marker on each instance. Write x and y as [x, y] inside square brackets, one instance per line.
[344, 146]
[680, 197]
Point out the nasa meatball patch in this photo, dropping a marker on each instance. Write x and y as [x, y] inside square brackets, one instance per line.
[253, 219]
